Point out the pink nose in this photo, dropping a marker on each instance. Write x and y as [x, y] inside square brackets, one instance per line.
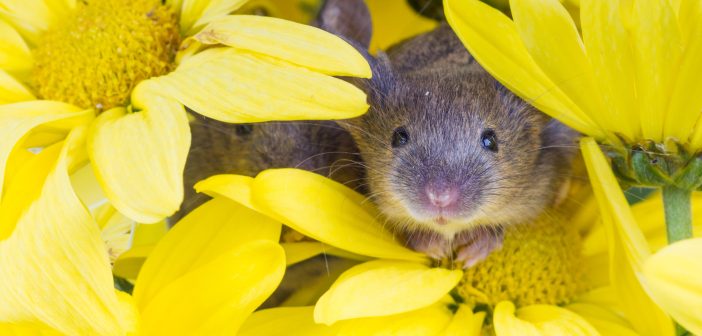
[442, 197]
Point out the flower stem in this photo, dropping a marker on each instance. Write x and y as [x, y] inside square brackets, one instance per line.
[678, 217]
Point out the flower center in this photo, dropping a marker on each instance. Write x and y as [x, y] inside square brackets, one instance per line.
[96, 56]
[539, 263]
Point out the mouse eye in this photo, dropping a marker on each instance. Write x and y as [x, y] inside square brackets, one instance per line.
[399, 137]
[489, 140]
[243, 129]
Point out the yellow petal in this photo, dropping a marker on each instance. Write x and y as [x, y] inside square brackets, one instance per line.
[686, 100]
[26, 329]
[129, 263]
[16, 121]
[234, 187]
[31, 18]
[15, 56]
[297, 252]
[326, 211]
[674, 282]
[54, 266]
[144, 240]
[428, 321]
[552, 39]
[493, 40]
[465, 322]
[395, 21]
[286, 321]
[234, 86]
[12, 91]
[217, 296]
[147, 149]
[539, 320]
[627, 245]
[299, 44]
[307, 290]
[387, 287]
[657, 48]
[194, 14]
[609, 49]
[606, 322]
[211, 230]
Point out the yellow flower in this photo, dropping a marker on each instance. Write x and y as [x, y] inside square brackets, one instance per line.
[539, 282]
[128, 68]
[204, 277]
[628, 79]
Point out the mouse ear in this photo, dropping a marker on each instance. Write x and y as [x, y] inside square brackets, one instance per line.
[349, 19]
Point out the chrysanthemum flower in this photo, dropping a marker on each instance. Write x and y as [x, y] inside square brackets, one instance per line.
[629, 80]
[548, 278]
[204, 277]
[133, 66]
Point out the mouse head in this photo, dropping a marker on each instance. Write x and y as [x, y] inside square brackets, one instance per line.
[448, 148]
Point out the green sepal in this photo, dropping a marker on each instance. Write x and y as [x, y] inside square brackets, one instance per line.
[648, 170]
[690, 177]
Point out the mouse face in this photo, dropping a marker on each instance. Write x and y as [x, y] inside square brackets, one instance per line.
[447, 152]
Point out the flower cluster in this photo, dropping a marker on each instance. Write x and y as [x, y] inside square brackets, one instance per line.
[95, 101]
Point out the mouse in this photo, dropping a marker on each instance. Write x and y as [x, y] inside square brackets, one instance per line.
[448, 155]
[319, 146]
[452, 157]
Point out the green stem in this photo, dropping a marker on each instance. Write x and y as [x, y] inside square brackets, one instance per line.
[678, 219]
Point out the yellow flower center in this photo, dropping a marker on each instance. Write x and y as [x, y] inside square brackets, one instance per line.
[95, 57]
[539, 263]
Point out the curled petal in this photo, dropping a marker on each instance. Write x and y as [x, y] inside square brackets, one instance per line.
[16, 122]
[627, 245]
[299, 44]
[328, 211]
[234, 187]
[539, 320]
[388, 287]
[238, 87]
[675, 283]
[54, 266]
[147, 149]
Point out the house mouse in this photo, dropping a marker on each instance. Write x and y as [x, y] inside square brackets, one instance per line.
[452, 157]
[449, 155]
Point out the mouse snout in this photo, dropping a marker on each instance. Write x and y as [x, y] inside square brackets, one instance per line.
[441, 195]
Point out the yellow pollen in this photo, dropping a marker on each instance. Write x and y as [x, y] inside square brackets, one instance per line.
[539, 263]
[95, 57]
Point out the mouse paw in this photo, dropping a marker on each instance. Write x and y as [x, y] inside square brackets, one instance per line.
[475, 245]
[431, 244]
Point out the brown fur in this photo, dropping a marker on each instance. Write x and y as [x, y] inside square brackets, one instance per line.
[219, 148]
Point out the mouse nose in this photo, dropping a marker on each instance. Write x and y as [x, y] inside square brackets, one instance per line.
[441, 196]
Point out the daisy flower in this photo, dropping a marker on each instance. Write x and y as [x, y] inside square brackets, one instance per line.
[204, 277]
[543, 281]
[628, 80]
[128, 69]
